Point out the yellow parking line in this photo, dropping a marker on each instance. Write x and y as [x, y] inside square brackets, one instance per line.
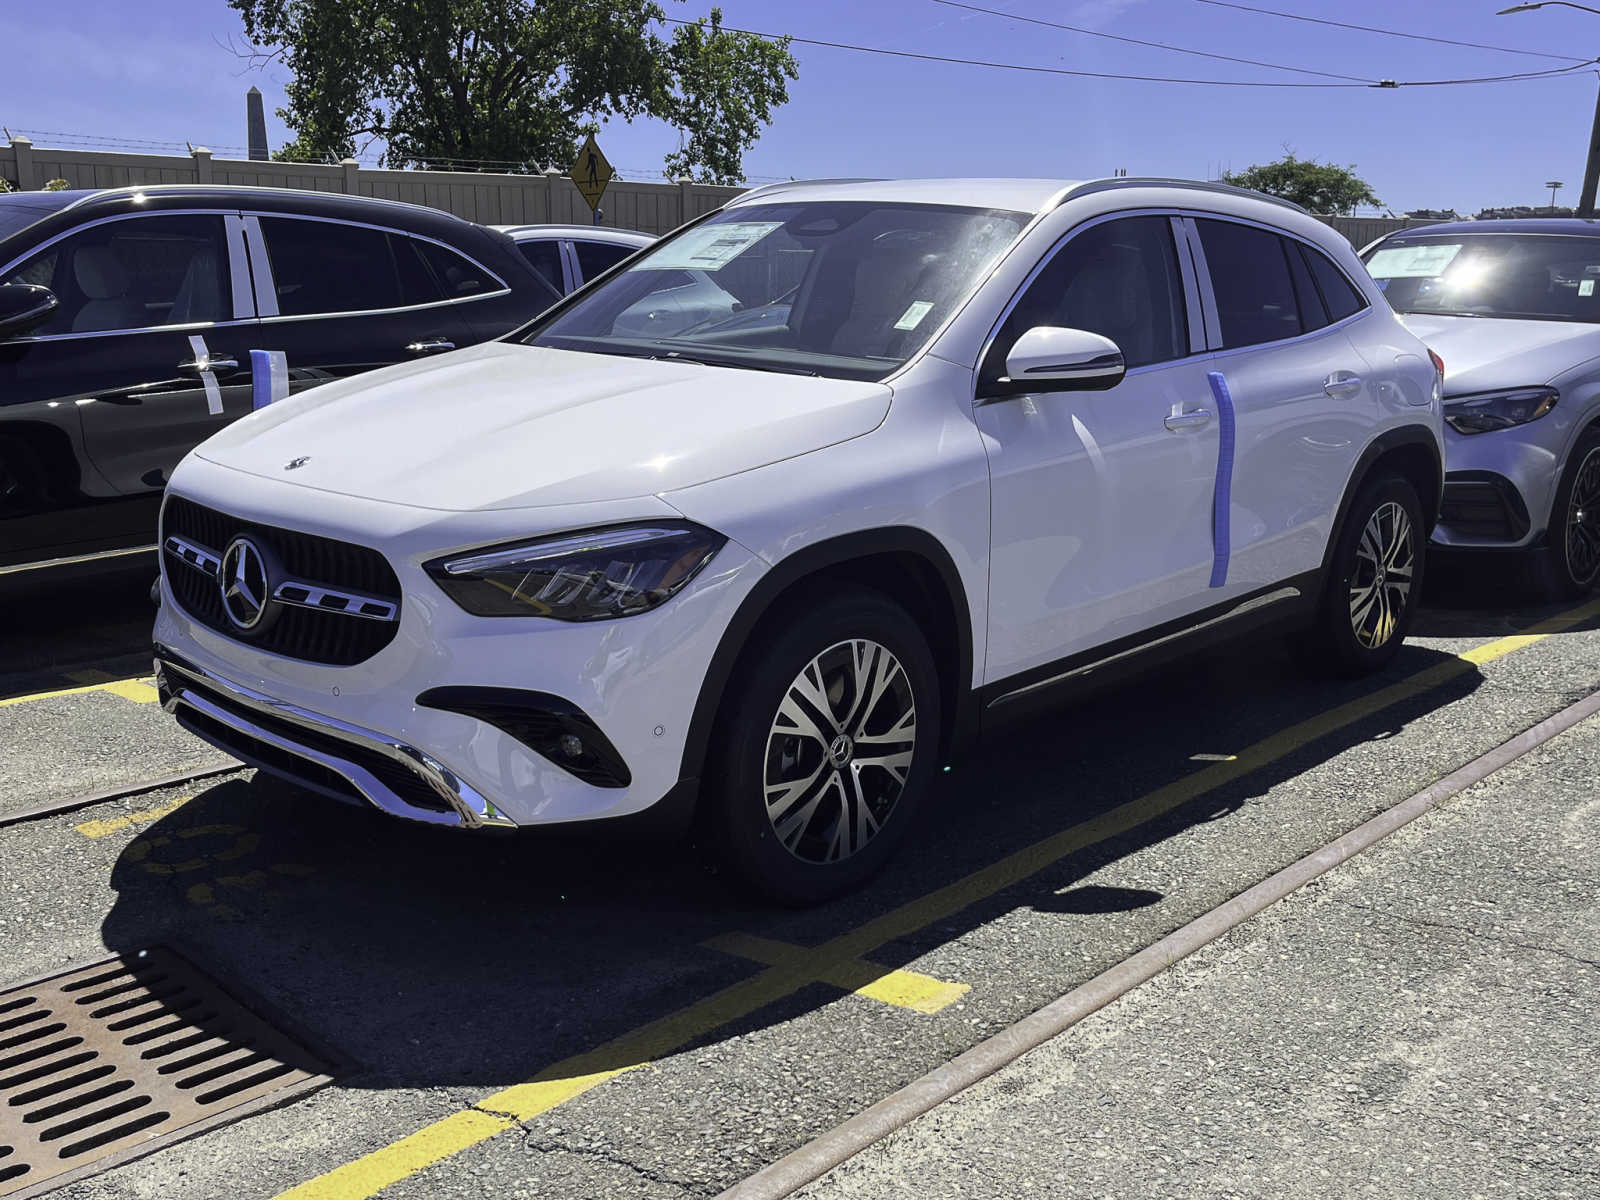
[140, 691]
[901, 988]
[108, 825]
[370, 1174]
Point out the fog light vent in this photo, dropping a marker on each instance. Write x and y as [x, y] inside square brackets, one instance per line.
[557, 729]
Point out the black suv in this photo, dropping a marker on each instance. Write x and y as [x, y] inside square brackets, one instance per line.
[127, 318]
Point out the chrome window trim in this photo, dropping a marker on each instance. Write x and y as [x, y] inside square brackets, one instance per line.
[1218, 348]
[260, 268]
[131, 216]
[1049, 255]
[244, 301]
[276, 315]
[571, 277]
[1208, 294]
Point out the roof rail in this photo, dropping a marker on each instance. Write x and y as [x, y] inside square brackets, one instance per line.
[1226, 189]
[773, 188]
[94, 194]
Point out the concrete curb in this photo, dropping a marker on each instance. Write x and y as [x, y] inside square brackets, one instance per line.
[816, 1158]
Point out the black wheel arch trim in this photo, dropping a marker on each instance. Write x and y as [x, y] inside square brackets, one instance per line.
[960, 723]
[1390, 440]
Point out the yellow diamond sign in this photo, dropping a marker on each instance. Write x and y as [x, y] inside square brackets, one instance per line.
[591, 172]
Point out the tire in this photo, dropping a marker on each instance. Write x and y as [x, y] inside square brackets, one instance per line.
[1569, 567]
[783, 776]
[1374, 582]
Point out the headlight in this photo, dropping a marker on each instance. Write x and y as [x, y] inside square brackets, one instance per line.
[1498, 410]
[591, 576]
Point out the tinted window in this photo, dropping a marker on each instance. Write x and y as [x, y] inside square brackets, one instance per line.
[458, 276]
[545, 258]
[1119, 279]
[1250, 279]
[1338, 293]
[134, 274]
[595, 258]
[1312, 314]
[325, 267]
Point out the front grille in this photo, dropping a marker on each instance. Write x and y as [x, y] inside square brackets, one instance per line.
[114, 1059]
[330, 637]
[397, 777]
[1481, 504]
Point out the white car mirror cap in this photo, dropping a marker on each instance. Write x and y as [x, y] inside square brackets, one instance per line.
[1051, 358]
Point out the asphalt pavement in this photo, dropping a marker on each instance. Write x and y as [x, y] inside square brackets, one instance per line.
[1420, 1022]
[574, 1016]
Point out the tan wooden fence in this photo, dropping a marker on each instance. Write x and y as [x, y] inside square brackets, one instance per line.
[490, 199]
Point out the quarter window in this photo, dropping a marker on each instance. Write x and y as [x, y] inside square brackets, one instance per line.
[1251, 282]
[134, 274]
[458, 276]
[1338, 292]
[1119, 279]
[595, 258]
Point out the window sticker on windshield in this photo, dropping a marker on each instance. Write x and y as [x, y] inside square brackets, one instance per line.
[1412, 262]
[914, 313]
[709, 248]
[1586, 287]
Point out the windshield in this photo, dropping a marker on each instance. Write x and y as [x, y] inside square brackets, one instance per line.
[18, 210]
[1542, 277]
[844, 290]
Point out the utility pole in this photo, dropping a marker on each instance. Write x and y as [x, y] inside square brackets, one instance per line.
[1553, 184]
[1591, 170]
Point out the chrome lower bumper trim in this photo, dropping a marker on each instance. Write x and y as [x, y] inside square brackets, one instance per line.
[469, 809]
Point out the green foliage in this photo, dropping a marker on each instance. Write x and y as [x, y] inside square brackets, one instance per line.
[6, 185]
[514, 81]
[56, 185]
[1317, 187]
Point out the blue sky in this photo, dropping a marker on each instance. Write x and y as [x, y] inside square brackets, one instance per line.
[153, 70]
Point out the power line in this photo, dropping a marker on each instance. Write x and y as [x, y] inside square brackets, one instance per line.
[1416, 37]
[1235, 83]
[1132, 41]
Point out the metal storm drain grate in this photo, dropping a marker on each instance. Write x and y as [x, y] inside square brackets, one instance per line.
[110, 1061]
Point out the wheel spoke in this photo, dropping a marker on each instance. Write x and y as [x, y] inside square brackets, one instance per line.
[897, 764]
[805, 711]
[793, 827]
[1360, 605]
[783, 796]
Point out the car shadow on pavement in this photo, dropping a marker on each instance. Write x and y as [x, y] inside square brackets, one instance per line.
[433, 958]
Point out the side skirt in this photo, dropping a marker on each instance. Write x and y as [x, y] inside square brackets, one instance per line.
[1286, 605]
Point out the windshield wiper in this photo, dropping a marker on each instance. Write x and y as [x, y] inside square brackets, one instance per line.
[737, 364]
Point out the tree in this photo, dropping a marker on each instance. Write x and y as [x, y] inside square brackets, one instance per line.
[1317, 187]
[513, 82]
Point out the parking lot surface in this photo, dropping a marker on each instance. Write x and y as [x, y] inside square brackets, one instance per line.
[568, 1015]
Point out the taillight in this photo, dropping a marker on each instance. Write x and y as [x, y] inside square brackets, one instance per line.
[1438, 363]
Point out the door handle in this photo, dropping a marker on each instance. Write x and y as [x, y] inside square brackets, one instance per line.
[1196, 419]
[430, 346]
[217, 366]
[1341, 385]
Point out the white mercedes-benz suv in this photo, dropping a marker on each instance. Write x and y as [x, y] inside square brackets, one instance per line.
[965, 446]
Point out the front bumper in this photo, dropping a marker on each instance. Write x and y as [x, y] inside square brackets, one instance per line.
[323, 754]
[1499, 487]
[370, 733]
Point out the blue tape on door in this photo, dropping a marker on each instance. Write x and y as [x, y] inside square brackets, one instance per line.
[269, 377]
[1222, 493]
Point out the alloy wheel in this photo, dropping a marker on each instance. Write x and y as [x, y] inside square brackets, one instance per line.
[1380, 585]
[1583, 522]
[839, 751]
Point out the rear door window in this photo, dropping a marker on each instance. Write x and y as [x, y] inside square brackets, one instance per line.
[1252, 284]
[331, 267]
[544, 256]
[1338, 293]
[138, 273]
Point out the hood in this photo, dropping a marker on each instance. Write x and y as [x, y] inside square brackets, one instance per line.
[511, 426]
[1484, 353]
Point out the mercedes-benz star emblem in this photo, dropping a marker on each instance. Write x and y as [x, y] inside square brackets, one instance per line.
[294, 464]
[243, 579]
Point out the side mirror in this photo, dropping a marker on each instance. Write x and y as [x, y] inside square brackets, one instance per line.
[23, 306]
[1050, 359]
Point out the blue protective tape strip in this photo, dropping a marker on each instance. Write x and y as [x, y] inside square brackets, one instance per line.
[260, 378]
[1222, 494]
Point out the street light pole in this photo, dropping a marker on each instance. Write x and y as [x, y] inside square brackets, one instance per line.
[1591, 170]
